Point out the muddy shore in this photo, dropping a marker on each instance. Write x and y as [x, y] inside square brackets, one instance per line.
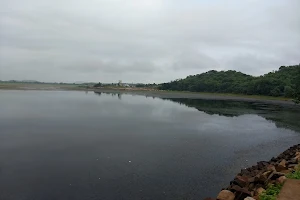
[190, 95]
[153, 93]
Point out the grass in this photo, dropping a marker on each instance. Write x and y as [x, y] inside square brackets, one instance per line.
[295, 175]
[271, 193]
[273, 190]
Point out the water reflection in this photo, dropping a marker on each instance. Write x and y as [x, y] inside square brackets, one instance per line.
[283, 116]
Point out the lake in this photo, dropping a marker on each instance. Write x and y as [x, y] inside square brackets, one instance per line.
[74, 145]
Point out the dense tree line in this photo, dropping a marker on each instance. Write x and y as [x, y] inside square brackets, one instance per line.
[284, 82]
[142, 85]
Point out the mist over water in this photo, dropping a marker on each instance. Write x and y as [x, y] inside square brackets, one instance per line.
[77, 145]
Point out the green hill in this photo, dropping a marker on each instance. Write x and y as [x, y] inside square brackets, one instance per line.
[284, 82]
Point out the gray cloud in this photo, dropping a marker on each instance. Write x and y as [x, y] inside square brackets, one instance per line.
[95, 66]
[193, 60]
[144, 41]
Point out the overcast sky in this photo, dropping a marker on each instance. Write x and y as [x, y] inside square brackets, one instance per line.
[144, 40]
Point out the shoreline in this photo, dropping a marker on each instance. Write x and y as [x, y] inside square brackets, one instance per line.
[254, 181]
[204, 96]
[158, 93]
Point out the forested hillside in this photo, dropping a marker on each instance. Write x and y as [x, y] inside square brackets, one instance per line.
[284, 82]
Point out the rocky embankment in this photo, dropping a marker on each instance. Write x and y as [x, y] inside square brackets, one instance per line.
[253, 181]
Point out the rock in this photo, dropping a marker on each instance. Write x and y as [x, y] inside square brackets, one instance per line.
[249, 198]
[261, 178]
[240, 193]
[281, 179]
[293, 161]
[260, 190]
[256, 197]
[276, 175]
[243, 192]
[273, 159]
[251, 179]
[267, 173]
[235, 188]
[272, 182]
[251, 186]
[245, 172]
[262, 164]
[241, 180]
[293, 166]
[226, 195]
[282, 163]
[271, 168]
[285, 171]
[281, 166]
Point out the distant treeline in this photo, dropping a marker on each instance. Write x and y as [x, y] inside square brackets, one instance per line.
[149, 85]
[284, 82]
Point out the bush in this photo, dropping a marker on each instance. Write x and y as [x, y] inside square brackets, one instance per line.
[271, 193]
[98, 85]
[295, 175]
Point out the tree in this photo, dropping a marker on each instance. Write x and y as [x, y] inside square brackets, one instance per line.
[297, 83]
[275, 92]
[289, 91]
[284, 82]
[98, 85]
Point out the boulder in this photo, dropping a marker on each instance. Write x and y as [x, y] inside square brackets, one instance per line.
[261, 178]
[281, 166]
[267, 173]
[282, 163]
[243, 193]
[240, 193]
[251, 179]
[262, 164]
[286, 171]
[251, 186]
[226, 195]
[256, 197]
[249, 198]
[241, 180]
[260, 190]
[271, 168]
[276, 175]
[293, 166]
[293, 161]
[235, 188]
[245, 172]
[281, 179]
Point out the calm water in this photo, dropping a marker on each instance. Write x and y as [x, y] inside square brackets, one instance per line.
[80, 146]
